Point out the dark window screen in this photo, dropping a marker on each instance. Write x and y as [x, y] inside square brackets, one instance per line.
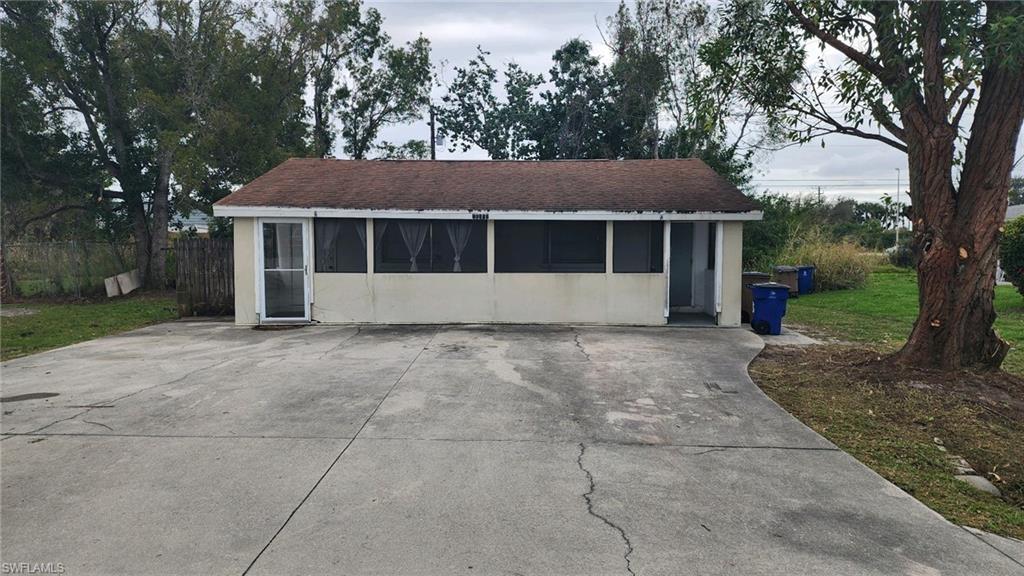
[712, 244]
[549, 246]
[447, 246]
[340, 244]
[637, 247]
[520, 246]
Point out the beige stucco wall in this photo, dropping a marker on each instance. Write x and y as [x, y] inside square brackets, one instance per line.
[245, 273]
[439, 298]
[732, 273]
[487, 297]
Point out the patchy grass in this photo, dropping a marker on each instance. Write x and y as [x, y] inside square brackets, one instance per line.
[883, 312]
[897, 421]
[905, 423]
[56, 324]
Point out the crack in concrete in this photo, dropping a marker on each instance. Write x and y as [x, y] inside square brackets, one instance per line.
[589, 498]
[340, 454]
[709, 451]
[97, 424]
[342, 343]
[139, 391]
[579, 343]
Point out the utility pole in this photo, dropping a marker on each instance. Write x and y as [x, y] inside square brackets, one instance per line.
[898, 209]
[433, 138]
[819, 194]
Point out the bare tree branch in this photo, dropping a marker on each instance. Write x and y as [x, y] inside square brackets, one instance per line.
[50, 213]
[863, 60]
[958, 115]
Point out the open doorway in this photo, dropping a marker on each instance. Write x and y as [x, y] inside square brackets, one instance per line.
[692, 273]
[680, 294]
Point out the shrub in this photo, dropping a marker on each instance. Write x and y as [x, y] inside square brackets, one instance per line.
[902, 256]
[838, 265]
[1011, 252]
[784, 219]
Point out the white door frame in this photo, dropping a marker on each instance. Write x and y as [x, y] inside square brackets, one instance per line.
[261, 302]
[666, 253]
[719, 266]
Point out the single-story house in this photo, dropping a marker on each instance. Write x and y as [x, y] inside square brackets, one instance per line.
[582, 241]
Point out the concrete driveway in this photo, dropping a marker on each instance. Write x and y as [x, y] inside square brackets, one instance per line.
[203, 448]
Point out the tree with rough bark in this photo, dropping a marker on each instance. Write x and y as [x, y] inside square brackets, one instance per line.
[942, 82]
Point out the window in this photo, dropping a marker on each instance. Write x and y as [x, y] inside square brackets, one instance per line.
[638, 246]
[340, 244]
[430, 245]
[712, 241]
[549, 246]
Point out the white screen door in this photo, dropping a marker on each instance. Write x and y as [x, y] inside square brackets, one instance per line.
[284, 270]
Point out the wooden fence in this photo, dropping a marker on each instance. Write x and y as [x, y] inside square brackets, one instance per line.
[206, 276]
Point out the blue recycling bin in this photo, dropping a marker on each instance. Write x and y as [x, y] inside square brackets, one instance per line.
[805, 279]
[769, 307]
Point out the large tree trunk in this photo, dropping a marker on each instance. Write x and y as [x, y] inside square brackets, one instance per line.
[140, 230]
[956, 231]
[158, 234]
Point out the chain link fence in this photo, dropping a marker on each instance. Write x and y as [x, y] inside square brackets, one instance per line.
[70, 268]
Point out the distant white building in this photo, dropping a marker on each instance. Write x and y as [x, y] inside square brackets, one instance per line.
[1012, 212]
[195, 219]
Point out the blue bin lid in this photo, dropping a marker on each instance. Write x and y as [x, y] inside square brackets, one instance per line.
[806, 267]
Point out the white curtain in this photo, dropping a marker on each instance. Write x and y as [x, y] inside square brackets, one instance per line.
[458, 233]
[413, 234]
[327, 252]
[379, 227]
[361, 231]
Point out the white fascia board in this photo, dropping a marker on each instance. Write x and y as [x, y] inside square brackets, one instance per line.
[272, 211]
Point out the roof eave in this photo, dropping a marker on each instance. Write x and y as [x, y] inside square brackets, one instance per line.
[234, 211]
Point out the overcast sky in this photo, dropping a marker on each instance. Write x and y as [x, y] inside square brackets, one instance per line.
[529, 33]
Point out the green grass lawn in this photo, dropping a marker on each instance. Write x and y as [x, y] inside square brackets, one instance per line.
[59, 324]
[903, 422]
[883, 312]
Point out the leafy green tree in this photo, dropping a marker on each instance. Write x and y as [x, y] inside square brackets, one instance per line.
[639, 74]
[329, 37]
[1017, 191]
[49, 174]
[122, 113]
[471, 114]
[908, 74]
[383, 85]
[1011, 252]
[410, 150]
[591, 110]
[576, 116]
[149, 91]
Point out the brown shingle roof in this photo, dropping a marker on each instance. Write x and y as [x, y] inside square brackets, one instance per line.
[685, 185]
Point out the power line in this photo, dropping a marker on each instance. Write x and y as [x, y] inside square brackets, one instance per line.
[815, 180]
[825, 186]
